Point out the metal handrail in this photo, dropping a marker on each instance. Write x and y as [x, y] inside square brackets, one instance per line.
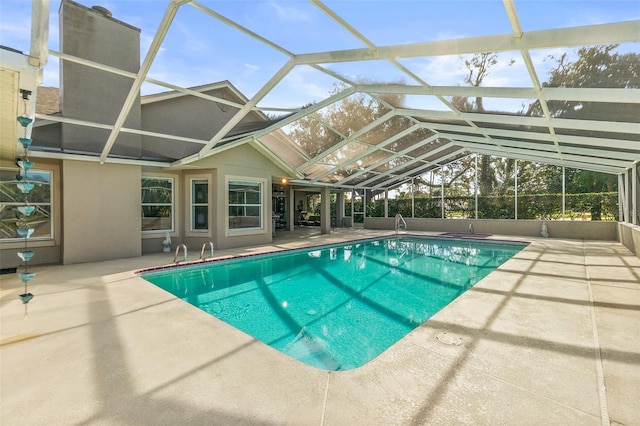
[210, 244]
[400, 222]
[184, 259]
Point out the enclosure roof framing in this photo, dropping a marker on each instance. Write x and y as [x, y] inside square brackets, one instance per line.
[406, 139]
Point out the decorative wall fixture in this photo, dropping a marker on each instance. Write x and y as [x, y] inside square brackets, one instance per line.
[25, 211]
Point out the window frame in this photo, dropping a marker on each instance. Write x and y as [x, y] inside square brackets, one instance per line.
[172, 204]
[193, 204]
[261, 228]
[12, 206]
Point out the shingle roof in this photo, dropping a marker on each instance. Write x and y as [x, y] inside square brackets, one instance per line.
[48, 100]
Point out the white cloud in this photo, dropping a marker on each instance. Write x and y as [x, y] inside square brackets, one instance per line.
[180, 74]
[304, 79]
[289, 14]
[301, 86]
[507, 74]
[447, 35]
[15, 27]
[441, 70]
[250, 69]
[190, 42]
[145, 43]
[51, 74]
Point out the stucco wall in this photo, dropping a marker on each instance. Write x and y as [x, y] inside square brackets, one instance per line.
[587, 230]
[101, 218]
[241, 161]
[46, 251]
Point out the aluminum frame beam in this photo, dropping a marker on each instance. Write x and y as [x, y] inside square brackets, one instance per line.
[134, 92]
[548, 93]
[543, 39]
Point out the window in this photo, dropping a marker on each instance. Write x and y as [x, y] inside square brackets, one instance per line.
[199, 205]
[11, 198]
[245, 204]
[157, 204]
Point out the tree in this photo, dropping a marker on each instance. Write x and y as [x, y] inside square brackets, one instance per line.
[479, 67]
[584, 181]
[457, 178]
[317, 133]
[595, 67]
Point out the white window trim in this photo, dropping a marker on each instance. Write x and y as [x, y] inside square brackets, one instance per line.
[192, 204]
[263, 205]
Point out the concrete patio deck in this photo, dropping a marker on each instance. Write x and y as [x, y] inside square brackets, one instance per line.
[551, 337]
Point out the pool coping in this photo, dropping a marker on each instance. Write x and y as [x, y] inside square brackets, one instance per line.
[445, 236]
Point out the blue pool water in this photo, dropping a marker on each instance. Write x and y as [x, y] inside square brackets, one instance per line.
[337, 307]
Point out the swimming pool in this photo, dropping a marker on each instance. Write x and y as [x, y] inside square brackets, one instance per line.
[337, 307]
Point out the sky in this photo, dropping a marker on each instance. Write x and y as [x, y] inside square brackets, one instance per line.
[199, 49]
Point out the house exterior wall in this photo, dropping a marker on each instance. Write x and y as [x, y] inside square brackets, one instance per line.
[47, 251]
[9, 90]
[241, 162]
[101, 218]
[238, 163]
[97, 207]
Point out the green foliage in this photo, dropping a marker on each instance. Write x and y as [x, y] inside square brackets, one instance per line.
[595, 67]
[588, 181]
[593, 206]
[156, 190]
[325, 128]
[318, 134]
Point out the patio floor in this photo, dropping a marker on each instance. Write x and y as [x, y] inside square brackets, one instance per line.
[551, 337]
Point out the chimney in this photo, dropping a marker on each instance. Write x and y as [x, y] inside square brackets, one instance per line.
[92, 94]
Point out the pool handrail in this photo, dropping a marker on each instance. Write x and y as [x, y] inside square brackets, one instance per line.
[400, 222]
[184, 259]
[210, 244]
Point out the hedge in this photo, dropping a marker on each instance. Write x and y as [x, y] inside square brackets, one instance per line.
[594, 206]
